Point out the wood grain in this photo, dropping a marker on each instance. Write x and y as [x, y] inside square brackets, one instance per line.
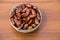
[48, 30]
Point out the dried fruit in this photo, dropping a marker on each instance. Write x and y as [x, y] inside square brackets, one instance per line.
[18, 22]
[15, 17]
[30, 21]
[36, 21]
[18, 15]
[27, 19]
[25, 26]
[28, 5]
[21, 25]
[34, 25]
[24, 19]
[30, 27]
[24, 9]
[33, 14]
[23, 6]
[34, 7]
[18, 9]
[27, 13]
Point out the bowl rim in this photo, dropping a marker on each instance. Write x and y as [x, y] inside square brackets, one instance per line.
[25, 31]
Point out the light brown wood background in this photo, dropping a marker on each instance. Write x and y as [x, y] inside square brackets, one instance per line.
[48, 30]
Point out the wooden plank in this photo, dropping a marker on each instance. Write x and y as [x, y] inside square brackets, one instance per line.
[2, 1]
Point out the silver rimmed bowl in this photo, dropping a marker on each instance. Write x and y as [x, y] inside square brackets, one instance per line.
[25, 31]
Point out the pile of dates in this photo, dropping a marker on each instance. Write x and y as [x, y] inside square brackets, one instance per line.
[25, 17]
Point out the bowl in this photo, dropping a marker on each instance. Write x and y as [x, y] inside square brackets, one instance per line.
[25, 31]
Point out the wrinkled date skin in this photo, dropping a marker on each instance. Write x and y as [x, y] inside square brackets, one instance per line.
[25, 17]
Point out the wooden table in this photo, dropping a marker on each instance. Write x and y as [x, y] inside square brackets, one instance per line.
[48, 30]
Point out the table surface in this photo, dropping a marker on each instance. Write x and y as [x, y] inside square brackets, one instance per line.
[49, 28]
